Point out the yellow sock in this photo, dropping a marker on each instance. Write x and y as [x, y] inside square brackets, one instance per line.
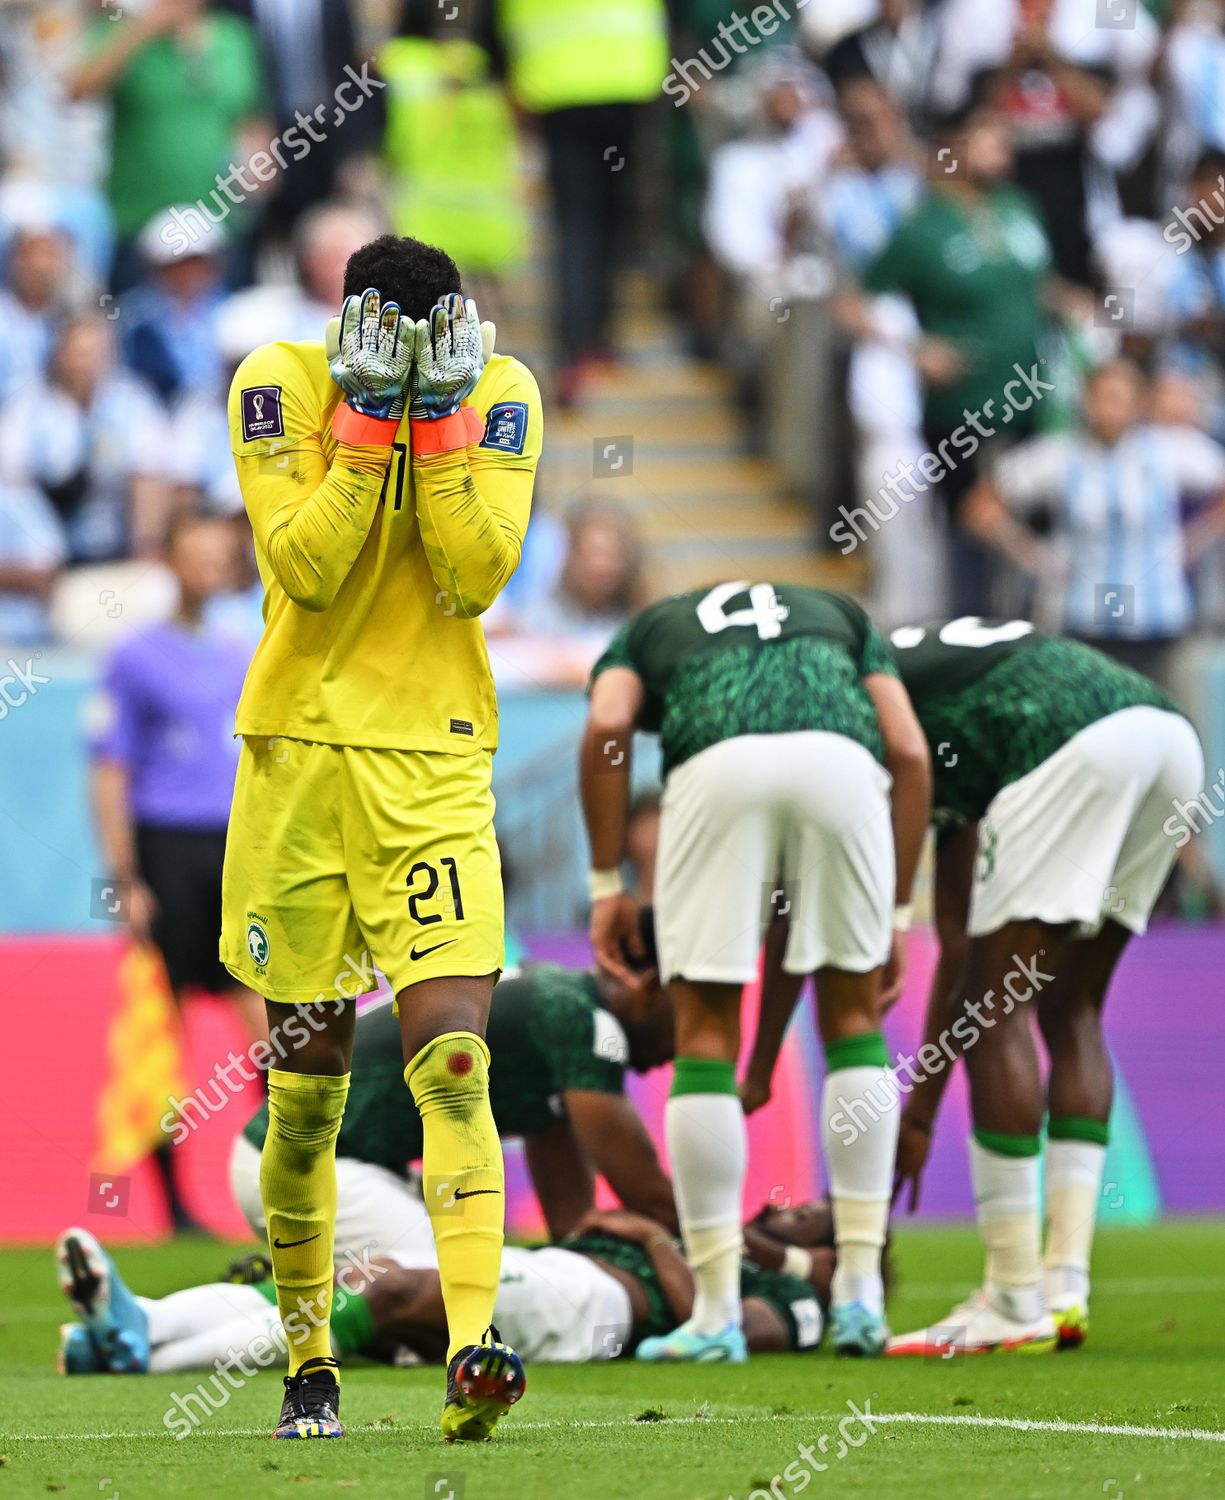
[297, 1183]
[462, 1178]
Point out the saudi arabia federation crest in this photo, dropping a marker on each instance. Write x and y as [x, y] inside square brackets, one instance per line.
[257, 943]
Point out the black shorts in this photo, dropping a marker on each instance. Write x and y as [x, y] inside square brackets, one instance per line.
[182, 867]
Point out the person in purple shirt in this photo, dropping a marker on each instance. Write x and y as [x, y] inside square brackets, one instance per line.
[163, 759]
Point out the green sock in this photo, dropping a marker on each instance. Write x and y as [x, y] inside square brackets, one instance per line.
[1078, 1128]
[866, 1051]
[703, 1075]
[1005, 1144]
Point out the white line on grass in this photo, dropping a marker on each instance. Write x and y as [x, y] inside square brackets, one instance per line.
[902, 1418]
[1052, 1424]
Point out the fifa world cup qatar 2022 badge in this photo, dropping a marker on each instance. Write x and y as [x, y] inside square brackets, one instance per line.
[261, 412]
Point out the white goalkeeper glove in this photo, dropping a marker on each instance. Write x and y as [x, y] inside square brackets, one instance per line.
[450, 349]
[370, 354]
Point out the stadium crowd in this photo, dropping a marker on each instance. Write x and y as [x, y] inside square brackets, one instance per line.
[945, 196]
[184, 180]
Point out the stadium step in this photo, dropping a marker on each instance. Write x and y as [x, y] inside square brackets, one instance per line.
[695, 569]
[704, 507]
[661, 435]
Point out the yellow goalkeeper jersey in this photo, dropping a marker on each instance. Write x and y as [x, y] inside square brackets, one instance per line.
[376, 563]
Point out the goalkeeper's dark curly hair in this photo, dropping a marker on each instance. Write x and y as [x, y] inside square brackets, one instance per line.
[403, 270]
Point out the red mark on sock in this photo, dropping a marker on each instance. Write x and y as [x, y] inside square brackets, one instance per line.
[460, 1063]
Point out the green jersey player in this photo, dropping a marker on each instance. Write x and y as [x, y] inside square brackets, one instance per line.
[564, 1039]
[793, 769]
[619, 1278]
[1054, 771]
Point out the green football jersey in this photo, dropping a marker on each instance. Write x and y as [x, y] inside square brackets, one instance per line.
[996, 698]
[975, 276]
[547, 1033]
[794, 1300]
[745, 658]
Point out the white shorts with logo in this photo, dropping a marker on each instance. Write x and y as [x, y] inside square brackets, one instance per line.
[765, 824]
[557, 1307]
[377, 1212]
[1084, 837]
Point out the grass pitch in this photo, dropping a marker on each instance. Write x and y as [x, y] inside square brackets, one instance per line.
[1138, 1414]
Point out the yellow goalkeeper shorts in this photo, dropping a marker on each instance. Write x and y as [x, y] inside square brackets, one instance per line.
[340, 859]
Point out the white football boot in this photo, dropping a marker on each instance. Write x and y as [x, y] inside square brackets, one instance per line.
[983, 1324]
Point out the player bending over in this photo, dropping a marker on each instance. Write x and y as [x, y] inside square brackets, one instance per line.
[781, 721]
[362, 822]
[563, 1040]
[617, 1280]
[1055, 769]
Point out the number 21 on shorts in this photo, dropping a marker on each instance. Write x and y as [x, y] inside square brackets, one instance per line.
[423, 883]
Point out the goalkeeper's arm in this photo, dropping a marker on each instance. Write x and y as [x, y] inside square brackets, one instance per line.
[312, 519]
[313, 548]
[472, 502]
[473, 515]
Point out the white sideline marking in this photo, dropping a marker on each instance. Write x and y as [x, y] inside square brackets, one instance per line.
[1053, 1424]
[902, 1418]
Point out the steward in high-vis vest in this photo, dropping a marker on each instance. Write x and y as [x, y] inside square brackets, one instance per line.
[564, 53]
[452, 152]
[587, 69]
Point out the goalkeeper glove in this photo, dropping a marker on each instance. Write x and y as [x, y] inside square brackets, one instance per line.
[370, 353]
[450, 351]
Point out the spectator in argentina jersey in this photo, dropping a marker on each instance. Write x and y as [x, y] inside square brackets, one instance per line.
[1055, 772]
[781, 721]
[564, 1039]
[617, 1280]
[1095, 519]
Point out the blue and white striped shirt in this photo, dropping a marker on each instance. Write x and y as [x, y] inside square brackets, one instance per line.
[1118, 519]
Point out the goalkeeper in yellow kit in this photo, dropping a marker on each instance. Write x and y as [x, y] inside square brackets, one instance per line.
[362, 825]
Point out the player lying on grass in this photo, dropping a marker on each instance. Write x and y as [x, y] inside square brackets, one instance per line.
[565, 1039]
[617, 1280]
[388, 477]
[794, 766]
[1055, 770]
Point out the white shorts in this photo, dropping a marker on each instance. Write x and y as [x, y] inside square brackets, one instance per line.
[193, 1328]
[765, 824]
[1082, 838]
[553, 1306]
[556, 1307]
[377, 1213]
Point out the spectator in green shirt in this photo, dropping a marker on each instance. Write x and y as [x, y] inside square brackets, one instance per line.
[973, 260]
[184, 85]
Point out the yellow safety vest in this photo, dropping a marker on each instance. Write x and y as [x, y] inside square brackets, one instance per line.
[452, 150]
[568, 52]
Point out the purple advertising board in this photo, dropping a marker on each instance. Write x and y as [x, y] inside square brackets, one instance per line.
[1165, 1024]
